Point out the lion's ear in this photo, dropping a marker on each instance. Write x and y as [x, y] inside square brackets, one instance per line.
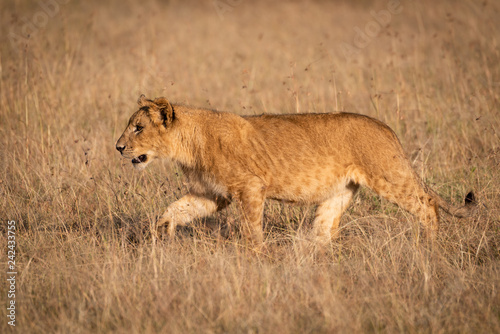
[159, 101]
[143, 102]
[166, 109]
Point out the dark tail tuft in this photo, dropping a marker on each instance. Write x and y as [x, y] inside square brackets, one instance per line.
[470, 199]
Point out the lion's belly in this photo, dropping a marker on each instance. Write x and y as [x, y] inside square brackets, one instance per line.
[311, 186]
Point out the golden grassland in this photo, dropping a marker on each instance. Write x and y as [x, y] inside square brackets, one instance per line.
[85, 257]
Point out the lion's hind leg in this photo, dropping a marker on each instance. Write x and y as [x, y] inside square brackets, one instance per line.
[407, 192]
[329, 212]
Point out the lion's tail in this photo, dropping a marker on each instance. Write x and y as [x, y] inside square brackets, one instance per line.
[462, 211]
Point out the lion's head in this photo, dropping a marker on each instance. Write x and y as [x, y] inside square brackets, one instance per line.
[140, 141]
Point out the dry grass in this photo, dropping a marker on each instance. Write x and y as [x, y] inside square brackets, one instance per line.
[84, 263]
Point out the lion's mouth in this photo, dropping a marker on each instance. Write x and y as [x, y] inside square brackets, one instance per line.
[140, 159]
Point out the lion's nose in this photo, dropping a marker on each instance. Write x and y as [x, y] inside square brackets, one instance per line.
[120, 148]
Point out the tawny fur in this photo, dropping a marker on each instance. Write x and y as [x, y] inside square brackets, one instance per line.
[306, 158]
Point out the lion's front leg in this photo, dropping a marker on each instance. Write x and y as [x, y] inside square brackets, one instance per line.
[252, 197]
[189, 208]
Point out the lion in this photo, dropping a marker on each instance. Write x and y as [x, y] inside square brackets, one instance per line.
[318, 159]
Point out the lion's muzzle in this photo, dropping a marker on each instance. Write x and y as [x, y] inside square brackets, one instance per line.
[120, 148]
[140, 159]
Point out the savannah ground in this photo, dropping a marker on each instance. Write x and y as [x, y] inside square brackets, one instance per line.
[85, 258]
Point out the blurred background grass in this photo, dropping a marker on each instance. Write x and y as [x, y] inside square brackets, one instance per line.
[85, 262]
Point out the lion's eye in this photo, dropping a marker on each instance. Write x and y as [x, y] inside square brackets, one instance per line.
[138, 128]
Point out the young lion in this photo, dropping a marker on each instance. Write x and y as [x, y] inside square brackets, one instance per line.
[306, 158]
